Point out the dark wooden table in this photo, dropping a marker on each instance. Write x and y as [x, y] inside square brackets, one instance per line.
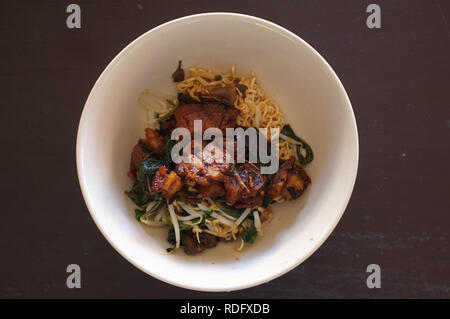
[397, 78]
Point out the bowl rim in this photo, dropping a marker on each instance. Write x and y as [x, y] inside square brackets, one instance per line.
[237, 286]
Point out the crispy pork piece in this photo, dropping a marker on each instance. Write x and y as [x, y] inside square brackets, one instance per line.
[168, 126]
[138, 155]
[232, 190]
[167, 184]
[172, 185]
[204, 171]
[244, 184]
[229, 118]
[289, 182]
[153, 142]
[159, 180]
[193, 172]
[212, 115]
[153, 139]
[278, 181]
[297, 182]
[192, 246]
[214, 189]
[226, 94]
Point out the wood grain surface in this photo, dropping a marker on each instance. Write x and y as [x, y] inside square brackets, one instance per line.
[397, 78]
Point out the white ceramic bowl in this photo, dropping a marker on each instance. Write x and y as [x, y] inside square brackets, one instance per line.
[292, 72]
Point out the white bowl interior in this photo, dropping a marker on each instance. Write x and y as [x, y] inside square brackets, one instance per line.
[312, 99]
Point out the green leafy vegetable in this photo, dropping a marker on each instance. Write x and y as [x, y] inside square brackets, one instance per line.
[166, 153]
[139, 194]
[267, 201]
[208, 212]
[180, 198]
[304, 147]
[171, 103]
[197, 220]
[161, 119]
[249, 234]
[218, 77]
[167, 216]
[158, 200]
[139, 213]
[143, 145]
[233, 212]
[171, 234]
[148, 169]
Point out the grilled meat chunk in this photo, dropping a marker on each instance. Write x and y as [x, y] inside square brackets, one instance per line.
[229, 118]
[193, 173]
[153, 143]
[172, 185]
[244, 184]
[138, 155]
[205, 170]
[280, 178]
[202, 173]
[297, 182]
[226, 94]
[232, 189]
[159, 180]
[167, 184]
[289, 182]
[193, 247]
[212, 115]
[153, 139]
[214, 189]
[168, 126]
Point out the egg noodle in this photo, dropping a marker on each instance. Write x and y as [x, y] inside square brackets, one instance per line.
[257, 109]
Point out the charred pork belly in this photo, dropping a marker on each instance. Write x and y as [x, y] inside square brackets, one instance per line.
[289, 182]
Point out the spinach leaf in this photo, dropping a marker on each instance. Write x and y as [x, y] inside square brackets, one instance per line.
[139, 194]
[208, 212]
[162, 119]
[267, 201]
[233, 212]
[309, 155]
[148, 169]
[198, 219]
[139, 213]
[180, 198]
[171, 234]
[157, 200]
[143, 145]
[249, 234]
[166, 153]
[167, 220]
